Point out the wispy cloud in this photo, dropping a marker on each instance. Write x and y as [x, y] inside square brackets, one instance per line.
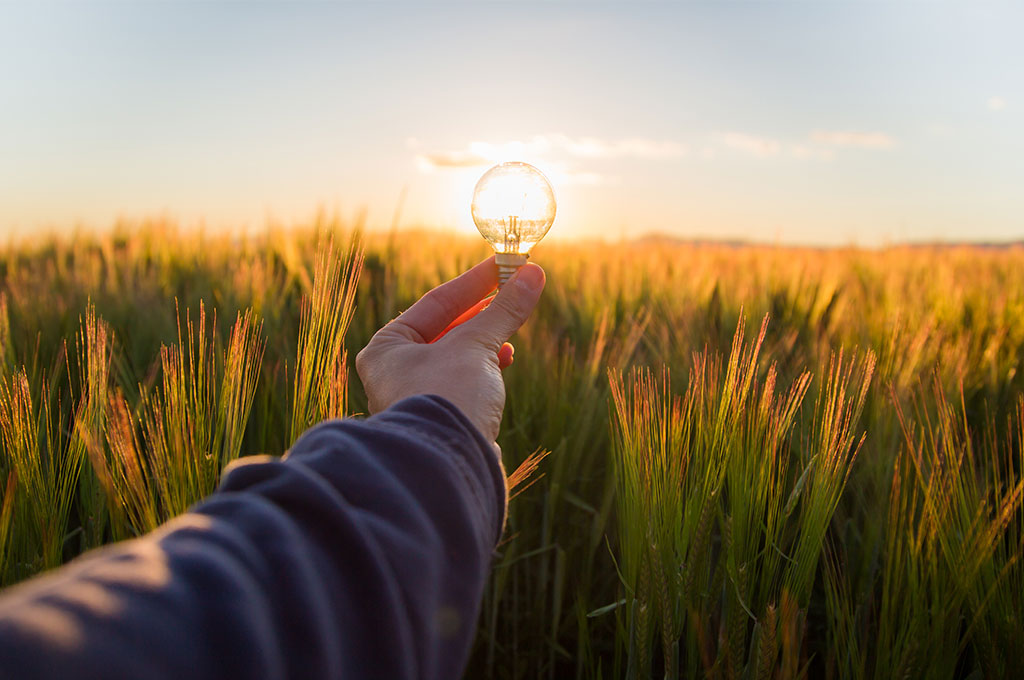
[452, 159]
[634, 147]
[819, 144]
[552, 145]
[569, 153]
[852, 138]
[996, 103]
[759, 146]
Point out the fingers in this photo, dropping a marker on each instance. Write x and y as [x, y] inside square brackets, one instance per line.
[506, 355]
[508, 310]
[433, 312]
[464, 317]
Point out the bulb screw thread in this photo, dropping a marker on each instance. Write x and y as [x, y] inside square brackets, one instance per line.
[508, 264]
[505, 272]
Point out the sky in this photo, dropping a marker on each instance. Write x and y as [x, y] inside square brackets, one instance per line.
[819, 123]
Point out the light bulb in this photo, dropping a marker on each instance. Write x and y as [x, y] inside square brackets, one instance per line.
[513, 207]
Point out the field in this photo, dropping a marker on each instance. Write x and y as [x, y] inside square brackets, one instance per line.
[763, 462]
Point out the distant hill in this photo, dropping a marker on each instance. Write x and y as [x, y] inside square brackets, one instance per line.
[672, 240]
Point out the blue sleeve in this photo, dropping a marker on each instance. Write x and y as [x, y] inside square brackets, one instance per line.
[362, 554]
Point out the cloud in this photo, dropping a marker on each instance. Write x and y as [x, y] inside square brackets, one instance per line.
[451, 159]
[849, 138]
[759, 146]
[633, 147]
[996, 103]
[557, 149]
[820, 144]
[543, 146]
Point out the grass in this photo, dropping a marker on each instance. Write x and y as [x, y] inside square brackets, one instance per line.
[733, 512]
[833, 492]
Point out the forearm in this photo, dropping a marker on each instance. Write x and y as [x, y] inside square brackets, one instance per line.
[363, 554]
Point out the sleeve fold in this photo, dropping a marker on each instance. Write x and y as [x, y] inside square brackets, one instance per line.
[361, 554]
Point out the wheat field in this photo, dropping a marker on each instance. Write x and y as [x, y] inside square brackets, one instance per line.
[750, 461]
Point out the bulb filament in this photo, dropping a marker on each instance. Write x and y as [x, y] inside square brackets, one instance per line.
[512, 234]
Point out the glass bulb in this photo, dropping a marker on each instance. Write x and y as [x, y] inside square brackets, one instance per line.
[513, 207]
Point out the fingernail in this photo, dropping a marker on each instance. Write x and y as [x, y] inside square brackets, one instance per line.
[529, 278]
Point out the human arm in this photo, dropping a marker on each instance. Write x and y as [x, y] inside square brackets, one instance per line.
[362, 554]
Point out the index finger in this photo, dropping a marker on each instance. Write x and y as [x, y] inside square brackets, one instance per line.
[464, 317]
[433, 312]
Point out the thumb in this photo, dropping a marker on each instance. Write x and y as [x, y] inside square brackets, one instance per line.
[508, 310]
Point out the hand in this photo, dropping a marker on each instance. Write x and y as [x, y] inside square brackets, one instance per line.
[452, 343]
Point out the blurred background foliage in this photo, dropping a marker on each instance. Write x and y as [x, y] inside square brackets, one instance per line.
[867, 524]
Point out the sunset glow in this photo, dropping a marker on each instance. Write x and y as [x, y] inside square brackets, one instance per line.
[782, 123]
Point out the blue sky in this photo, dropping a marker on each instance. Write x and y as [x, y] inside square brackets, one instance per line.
[822, 123]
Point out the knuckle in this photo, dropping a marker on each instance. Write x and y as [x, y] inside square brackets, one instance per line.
[363, 359]
[444, 302]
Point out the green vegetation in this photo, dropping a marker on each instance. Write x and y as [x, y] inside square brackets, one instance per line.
[835, 494]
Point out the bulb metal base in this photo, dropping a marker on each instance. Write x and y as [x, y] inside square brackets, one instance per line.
[508, 264]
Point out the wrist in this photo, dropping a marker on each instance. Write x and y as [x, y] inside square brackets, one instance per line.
[440, 420]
